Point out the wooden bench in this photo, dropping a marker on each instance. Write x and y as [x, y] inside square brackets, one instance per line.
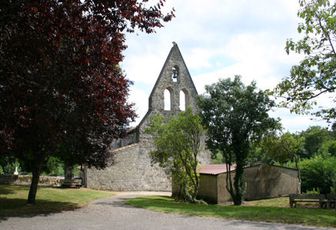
[331, 200]
[74, 183]
[308, 198]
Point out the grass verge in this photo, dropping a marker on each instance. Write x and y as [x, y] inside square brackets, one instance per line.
[267, 211]
[48, 200]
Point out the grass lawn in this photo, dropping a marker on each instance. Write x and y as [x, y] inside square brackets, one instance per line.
[48, 200]
[271, 210]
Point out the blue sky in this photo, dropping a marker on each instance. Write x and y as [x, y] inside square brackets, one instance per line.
[220, 39]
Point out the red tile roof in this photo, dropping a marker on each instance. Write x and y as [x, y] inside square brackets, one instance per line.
[214, 169]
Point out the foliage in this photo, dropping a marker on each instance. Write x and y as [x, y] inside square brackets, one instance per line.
[177, 145]
[333, 188]
[50, 200]
[7, 164]
[217, 158]
[283, 149]
[314, 191]
[328, 148]
[54, 167]
[315, 74]
[235, 116]
[257, 155]
[62, 91]
[270, 210]
[318, 173]
[314, 137]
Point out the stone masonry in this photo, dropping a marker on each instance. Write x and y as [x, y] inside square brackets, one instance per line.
[132, 169]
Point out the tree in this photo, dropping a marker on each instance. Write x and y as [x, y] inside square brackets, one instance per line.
[7, 164]
[177, 146]
[315, 74]
[328, 148]
[318, 173]
[62, 91]
[235, 116]
[288, 147]
[314, 137]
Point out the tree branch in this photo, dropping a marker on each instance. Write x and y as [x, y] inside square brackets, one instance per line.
[325, 32]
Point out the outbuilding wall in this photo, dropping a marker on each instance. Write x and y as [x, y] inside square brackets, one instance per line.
[266, 181]
[261, 181]
[208, 189]
[223, 194]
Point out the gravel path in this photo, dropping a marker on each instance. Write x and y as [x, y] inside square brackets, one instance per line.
[111, 213]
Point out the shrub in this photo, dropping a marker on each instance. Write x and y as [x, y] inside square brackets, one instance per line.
[318, 173]
[54, 167]
[314, 191]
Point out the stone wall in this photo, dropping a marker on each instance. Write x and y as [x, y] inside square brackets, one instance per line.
[132, 171]
[165, 81]
[130, 138]
[26, 180]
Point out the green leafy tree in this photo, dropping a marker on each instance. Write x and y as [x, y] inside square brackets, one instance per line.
[283, 149]
[235, 116]
[314, 137]
[177, 145]
[316, 73]
[54, 167]
[328, 148]
[319, 173]
[287, 147]
[7, 164]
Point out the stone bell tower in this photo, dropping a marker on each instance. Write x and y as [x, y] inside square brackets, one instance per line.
[173, 82]
[132, 169]
[174, 90]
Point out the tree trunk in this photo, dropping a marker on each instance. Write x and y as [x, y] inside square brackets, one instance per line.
[68, 175]
[238, 185]
[33, 186]
[299, 173]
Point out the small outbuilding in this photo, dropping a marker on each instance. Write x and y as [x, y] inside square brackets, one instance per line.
[261, 181]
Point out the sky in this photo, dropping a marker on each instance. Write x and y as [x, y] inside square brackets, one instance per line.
[219, 39]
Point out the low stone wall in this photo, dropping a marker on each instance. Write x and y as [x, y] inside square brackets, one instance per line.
[132, 171]
[49, 181]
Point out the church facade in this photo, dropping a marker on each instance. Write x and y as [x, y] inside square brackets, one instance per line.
[132, 169]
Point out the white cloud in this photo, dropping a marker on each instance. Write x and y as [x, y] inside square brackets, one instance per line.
[294, 122]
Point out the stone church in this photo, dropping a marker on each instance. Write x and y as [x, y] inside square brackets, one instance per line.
[132, 169]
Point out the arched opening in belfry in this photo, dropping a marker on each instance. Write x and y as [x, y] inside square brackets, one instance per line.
[184, 99]
[175, 73]
[167, 101]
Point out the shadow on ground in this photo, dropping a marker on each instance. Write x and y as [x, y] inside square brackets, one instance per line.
[5, 191]
[120, 201]
[20, 208]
